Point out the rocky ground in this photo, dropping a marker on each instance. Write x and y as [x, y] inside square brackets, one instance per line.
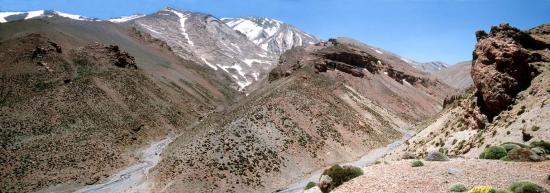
[401, 177]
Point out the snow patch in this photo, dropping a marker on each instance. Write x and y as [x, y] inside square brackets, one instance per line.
[71, 16]
[405, 82]
[407, 61]
[150, 28]
[33, 14]
[209, 64]
[242, 81]
[249, 62]
[377, 51]
[126, 18]
[183, 19]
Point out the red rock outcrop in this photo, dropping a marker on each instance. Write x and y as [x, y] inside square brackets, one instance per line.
[500, 67]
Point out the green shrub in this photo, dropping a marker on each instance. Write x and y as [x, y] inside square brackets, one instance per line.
[519, 144]
[525, 186]
[310, 185]
[377, 162]
[543, 144]
[458, 187]
[483, 189]
[493, 152]
[341, 174]
[417, 163]
[509, 146]
[538, 150]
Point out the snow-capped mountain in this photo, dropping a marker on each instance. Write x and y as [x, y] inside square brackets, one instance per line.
[207, 40]
[15, 16]
[126, 18]
[270, 34]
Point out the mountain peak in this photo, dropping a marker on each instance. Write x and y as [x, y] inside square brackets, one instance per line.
[271, 34]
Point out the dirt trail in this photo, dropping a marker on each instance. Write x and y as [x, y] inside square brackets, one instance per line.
[135, 177]
[368, 159]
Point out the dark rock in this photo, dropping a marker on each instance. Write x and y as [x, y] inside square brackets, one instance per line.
[436, 156]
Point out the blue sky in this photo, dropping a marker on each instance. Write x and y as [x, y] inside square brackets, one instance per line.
[423, 30]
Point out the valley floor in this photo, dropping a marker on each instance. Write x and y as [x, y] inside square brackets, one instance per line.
[399, 176]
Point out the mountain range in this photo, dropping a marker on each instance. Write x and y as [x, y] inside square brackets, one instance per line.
[182, 101]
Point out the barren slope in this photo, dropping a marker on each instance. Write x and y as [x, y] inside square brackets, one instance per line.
[457, 76]
[73, 110]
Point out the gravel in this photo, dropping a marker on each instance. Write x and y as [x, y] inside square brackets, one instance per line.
[399, 176]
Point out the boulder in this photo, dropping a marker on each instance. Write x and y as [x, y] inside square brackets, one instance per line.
[436, 156]
[325, 182]
[500, 67]
[523, 154]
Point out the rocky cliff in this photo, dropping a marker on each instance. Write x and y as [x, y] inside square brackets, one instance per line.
[508, 103]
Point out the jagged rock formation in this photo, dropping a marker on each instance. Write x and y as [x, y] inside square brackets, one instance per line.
[511, 71]
[105, 55]
[500, 67]
[271, 35]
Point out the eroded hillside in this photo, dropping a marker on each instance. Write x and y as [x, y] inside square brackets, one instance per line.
[324, 104]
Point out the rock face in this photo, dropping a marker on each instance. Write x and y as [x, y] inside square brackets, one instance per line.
[500, 66]
[101, 55]
[508, 103]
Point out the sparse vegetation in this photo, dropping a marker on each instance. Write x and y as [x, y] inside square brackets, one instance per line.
[493, 152]
[458, 187]
[525, 186]
[310, 185]
[542, 144]
[341, 174]
[538, 150]
[521, 111]
[509, 146]
[417, 163]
